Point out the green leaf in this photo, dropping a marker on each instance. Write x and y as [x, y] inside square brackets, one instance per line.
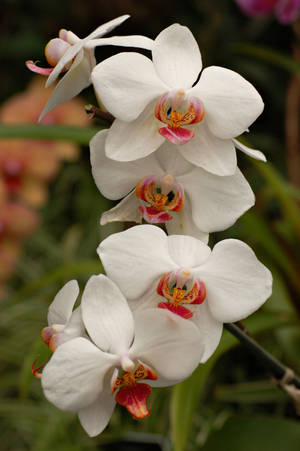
[269, 55]
[259, 433]
[80, 135]
[250, 393]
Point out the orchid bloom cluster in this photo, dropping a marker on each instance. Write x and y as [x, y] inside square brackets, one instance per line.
[170, 156]
[26, 169]
[286, 11]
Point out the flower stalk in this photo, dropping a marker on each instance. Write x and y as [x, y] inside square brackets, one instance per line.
[277, 368]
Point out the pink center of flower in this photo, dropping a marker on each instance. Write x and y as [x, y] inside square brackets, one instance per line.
[12, 174]
[159, 194]
[131, 393]
[176, 109]
[180, 287]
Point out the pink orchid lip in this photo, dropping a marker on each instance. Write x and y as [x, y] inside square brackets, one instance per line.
[159, 194]
[176, 109]
[180, 287]
[38, 70]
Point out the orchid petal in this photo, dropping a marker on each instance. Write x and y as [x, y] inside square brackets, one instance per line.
[61, 308]
[74, 376]
[107, 27]
[176, 57]
[171, 345]
[257, 154]
[136, 258]
[65, 59]
[75, 326]
[106, 315]
[231, 102]
[217, 202]
[106, 171]
[287, 11]
[95, 417]
[237, 283]
[183, 224]
[171, 161]
[187, 251]
[123, 41]
[126, 210]
[136, 139]
[209, 328]
[209, 152]
[73, 82]
[126, 83]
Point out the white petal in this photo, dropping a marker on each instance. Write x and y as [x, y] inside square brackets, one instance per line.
[136, 259]
[61, 308]
[217, 202]
[126, 210]
[73, 378]
[231, 103]
[126, 83]
[75, 326]
[187, 251]
[171, 345]
[73, 82]
[106, 315]
[209, 152]
[209, 328]
[128, 141]
[95, 417]
[236, 282]
[65, 59]
[257, 154]
[176, 57]
[107, 27]
[171, 160]
[116, 179]
[123, 41]
[183, 224]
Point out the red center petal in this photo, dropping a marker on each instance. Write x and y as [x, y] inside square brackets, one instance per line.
[135, 399]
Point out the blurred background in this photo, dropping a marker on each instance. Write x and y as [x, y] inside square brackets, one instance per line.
[49, 230]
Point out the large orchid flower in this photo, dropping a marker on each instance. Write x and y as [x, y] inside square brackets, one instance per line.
[286, 11]
[164, 187]
[76, 56]
[63, 323]
[164, 99]
[182, 274]
[120, 360]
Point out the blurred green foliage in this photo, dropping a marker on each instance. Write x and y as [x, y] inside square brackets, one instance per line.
[229, 403]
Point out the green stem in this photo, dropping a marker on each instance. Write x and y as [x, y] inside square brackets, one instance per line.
[80, 135]
[275, 366]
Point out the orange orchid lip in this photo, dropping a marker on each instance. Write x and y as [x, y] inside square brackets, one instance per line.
[179, 287]
[160, 194]
[176, 109]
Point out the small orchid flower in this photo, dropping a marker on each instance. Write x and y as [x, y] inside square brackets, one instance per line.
[286, 11]
[166, 100]
[164, 187]
[76, 56]
[63, 323]
[121, 361]
[183, 275]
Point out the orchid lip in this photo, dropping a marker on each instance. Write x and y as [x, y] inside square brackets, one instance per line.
[159, 195]
[180, 287]
[176, 109]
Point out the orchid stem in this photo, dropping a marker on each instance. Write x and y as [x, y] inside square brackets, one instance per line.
[277, 369]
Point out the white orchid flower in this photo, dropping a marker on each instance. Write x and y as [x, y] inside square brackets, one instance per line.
[182, 274]
[121, 359]
[63, 323]
[163, 100]
[164, 187]
[76, 56]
